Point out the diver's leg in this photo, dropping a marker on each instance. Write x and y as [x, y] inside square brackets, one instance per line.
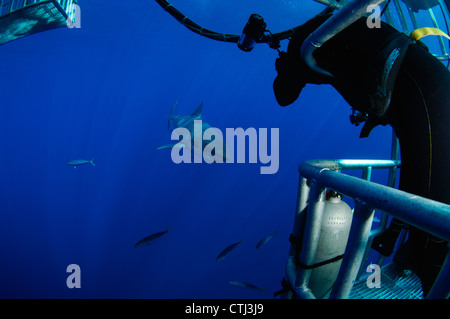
[419, 114]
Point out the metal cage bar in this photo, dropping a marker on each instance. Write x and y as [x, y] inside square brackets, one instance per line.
[8, 6]
[20, 18]
[428, 215]
[404, 14]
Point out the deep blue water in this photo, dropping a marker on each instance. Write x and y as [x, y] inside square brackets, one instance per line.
[105, 91]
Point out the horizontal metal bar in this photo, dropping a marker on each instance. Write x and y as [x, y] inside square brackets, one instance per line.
[426, 214]
[340, 164]
[364, 163]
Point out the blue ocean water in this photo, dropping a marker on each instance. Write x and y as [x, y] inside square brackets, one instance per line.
[105, 91]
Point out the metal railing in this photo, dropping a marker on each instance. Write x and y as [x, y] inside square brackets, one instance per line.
[8, 6]
[408, 21]
[404, 19]
[318, 175]
[20, 18]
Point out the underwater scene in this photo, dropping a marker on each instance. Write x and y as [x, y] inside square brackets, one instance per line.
[94, 183]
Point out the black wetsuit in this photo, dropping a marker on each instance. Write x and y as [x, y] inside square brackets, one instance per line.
[419, 113]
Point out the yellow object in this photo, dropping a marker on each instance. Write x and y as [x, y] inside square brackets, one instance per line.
[423, 32]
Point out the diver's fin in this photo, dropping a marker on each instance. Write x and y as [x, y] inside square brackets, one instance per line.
[370, 124]
[198, 112]
[382, 73]
[170, 114]
[92, 161]
[167, 146]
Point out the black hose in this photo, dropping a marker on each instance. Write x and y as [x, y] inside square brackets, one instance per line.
[191, 25]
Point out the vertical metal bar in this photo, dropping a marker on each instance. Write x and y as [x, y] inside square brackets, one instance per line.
[436, 25]
[373, 234]
[7, 6]
[445, 10]
[310, 239]
[400, 241]
[367, 173]
[387, 14]
[302, 205]
[395, 156]
[446, 16]
[441, 286]
[354, 253]
[413, 18]
[401, 16]
[383, 222]
[300, 215]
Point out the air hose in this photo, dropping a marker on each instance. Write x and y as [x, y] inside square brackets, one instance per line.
[254, 32]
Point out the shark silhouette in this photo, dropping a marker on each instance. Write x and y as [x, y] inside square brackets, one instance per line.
[187, 122]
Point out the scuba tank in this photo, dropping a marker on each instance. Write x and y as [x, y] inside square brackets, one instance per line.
[335, 228]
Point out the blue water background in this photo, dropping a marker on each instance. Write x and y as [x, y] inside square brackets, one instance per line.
[105, 91]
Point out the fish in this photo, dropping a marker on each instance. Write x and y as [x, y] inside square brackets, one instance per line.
[265, 240]
[227, 251]
[150, 239]
[187, 122]
[245, 285]
[79, 162]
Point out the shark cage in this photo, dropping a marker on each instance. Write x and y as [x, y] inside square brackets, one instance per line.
[20, 18]
[341, 271]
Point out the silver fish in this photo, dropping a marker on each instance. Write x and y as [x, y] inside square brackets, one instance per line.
[246, 285]
[150, 239]
[227, 251]
[264, 241]
[79, 162]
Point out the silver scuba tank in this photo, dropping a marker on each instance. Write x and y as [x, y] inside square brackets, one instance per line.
[335, 228]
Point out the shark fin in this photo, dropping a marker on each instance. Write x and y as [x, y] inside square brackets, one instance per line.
[164, 147]
[198, 112]
[170, 114]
